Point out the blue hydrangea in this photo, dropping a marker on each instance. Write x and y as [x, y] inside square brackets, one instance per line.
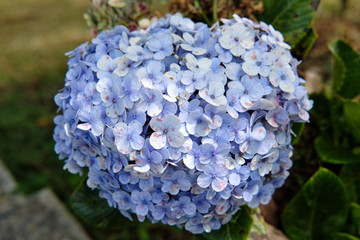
[182, 123]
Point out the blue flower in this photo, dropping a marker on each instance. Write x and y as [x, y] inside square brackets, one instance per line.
[214, 94]
[174, 182]
[129, 91]
[237, 38]
[135, 114]
[192, 159]
[218, 136]
[182, 207]
[187, 107]
[91, 121]
[127, 136]
[264, 163]
[250, 91]
[89, 97]
[234, 71]
[149, 160]
[212, 154]
[193, 81]
[110, 95]
[283, 77]
[143, 202]
[214, 175]
[162, 45]
[198, 124]
[258, 63]
[106, 66]
[123, 199]
[166, 130]
[202, 64]
[137, 54]
[151, 101]
[182, 123]
[277, 117]
[202, 205]
[151, 74]
[257, 140]
[215, 113]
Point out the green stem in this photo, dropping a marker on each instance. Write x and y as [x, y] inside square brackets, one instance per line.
[215, 14]
[206, 19]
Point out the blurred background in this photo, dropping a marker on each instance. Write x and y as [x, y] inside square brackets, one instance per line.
[35, 34]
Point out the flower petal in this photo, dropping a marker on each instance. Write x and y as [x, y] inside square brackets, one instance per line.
[219, 184]
[204, 180]
[137, 142]
[158, 140]
[157, 124]
[175, 139]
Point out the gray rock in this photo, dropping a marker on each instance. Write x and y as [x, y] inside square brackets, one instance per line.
[7, 182]
[36, 217]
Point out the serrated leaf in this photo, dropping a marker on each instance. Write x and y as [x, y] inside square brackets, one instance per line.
[330, 153]
[94, 210]
[237, 229]
[344, 236]
[319, 210]
[346, 80]
[293, 18]
[302, 48]
[352, 117]
[350, 175]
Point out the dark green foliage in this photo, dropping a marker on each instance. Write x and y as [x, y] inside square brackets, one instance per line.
[344, 236]
[352, 117]
[350, 175]
[347, 70]
[291, 17]
[318, 210]
[87, 204]
[302, 48]
[330, 153]
[298, 129]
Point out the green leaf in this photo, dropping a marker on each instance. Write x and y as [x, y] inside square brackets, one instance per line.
[319, 210]
[94, 210]
[237, 229]
[302, 48]
[352, 117]
[344, 236]
[330, 153]
[298, 129]
[346, 80]
[293, 18]
[355, 217]
[350, 175]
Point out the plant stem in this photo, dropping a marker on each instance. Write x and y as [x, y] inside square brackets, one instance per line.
[206, 19]
[215, 14]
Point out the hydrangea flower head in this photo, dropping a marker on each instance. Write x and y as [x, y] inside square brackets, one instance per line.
[182, 123]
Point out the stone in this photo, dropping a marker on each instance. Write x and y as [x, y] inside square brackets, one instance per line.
[35, 217]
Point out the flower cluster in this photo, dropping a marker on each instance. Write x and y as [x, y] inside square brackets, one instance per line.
[183, 123]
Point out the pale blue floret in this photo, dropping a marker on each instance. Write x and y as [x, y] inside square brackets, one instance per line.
[173, 182]
[161, 45]
[127, 136]
[215, 176]
[143, 202]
